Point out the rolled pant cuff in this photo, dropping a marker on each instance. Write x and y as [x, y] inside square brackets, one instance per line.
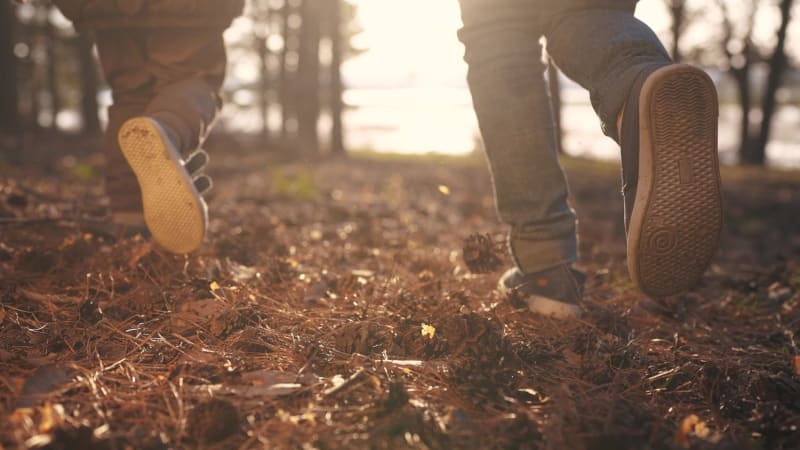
[536, 256]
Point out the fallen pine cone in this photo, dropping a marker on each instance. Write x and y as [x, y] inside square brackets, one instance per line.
[480, 254]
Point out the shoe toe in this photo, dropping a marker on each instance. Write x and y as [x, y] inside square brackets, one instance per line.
[552, 293]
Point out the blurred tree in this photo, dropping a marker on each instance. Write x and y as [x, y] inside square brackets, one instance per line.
[308, 76]
[677, 9]
[739, 64]
[742, 49]
[51, 46]
[9, 112]
[288, 65]
[734, 36]
[755, 136]
[262, 12]
[89, 81]
[319, 45]
[756, 154]
[336, 88]
[297, 47]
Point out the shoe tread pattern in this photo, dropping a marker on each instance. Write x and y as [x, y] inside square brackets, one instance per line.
[174, 211]
[683, 220]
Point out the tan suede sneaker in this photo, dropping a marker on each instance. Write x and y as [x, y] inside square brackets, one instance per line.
[174, 209]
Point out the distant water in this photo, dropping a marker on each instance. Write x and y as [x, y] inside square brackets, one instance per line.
[441, 120]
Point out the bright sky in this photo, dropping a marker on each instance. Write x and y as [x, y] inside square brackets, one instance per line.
[414, 42]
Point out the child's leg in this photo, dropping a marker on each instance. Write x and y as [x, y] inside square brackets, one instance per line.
[189, 69]
[506, 77]
[173, 78]
[668, 137]
[125, 71]
[605, 51]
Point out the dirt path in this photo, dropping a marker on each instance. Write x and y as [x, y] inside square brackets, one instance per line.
[332, 308]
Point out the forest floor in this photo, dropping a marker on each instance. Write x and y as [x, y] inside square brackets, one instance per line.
[332, 308]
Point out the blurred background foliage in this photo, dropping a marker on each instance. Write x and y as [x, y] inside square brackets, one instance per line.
[286, 58]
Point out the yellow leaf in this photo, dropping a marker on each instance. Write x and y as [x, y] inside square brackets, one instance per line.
[686, 428]
[283, 416]
[214, 286]
[51, 417]
[444, 189]
[308, 417]
[428, 330]
[693, 426]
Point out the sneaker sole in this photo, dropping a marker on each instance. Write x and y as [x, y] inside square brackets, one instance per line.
[677, 217]
[174, 211]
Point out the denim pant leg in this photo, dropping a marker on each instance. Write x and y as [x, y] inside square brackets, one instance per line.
[604, 50]
[506, 78]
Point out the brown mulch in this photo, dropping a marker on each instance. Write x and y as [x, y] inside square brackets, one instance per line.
[333, 307]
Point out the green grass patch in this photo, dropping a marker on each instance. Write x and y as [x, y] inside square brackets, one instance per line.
[298, 184]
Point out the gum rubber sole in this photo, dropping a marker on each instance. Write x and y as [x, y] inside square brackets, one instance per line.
[677, 216]
[174, 211]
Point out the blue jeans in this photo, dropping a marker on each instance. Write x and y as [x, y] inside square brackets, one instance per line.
[597, 43]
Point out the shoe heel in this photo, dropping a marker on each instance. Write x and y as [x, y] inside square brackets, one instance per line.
[174, 211]
[677, 218]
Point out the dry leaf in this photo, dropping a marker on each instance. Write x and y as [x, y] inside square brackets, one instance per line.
[693, 426]
[797, 365]
[687, 426]
[51, 417]
[242, 273]
[364, 273]
[428, 330]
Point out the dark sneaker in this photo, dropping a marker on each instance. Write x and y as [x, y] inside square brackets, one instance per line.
[669, 147]
[555, 292]
[174, 210]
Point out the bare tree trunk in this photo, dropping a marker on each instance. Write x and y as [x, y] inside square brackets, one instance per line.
[89, 84]
[677, 11]
[741, 64]
[284, 76]
[308, 77]
[51, 39]
[742, 78]
[9, 111]
[777, 67]
[263, 91]
[336, 88]
[554, 84]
